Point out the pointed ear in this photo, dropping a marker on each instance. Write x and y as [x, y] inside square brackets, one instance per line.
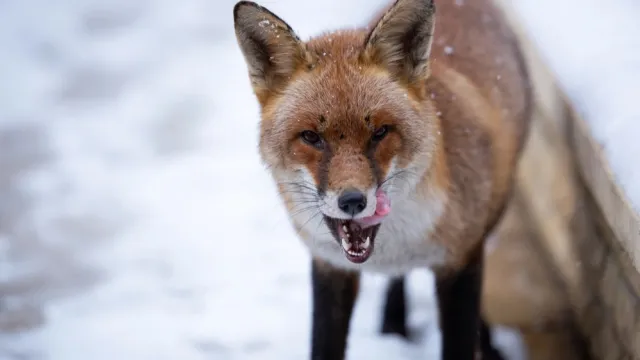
[401, 40]
[270, 47]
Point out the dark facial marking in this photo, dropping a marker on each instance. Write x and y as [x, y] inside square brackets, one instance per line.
[375, 169]
[375, 139]
[323, 170]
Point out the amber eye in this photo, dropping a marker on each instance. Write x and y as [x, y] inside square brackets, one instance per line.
[380, 133]
[312, 138]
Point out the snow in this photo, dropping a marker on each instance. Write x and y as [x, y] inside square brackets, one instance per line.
[596, 57]
[136, 221]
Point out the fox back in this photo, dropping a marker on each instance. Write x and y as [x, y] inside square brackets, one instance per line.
[403, 134]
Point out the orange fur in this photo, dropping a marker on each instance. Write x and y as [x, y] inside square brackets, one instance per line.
[457, 101]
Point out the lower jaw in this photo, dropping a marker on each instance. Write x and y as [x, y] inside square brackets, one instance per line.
[359, 259]
[359, 239]
[363, 250]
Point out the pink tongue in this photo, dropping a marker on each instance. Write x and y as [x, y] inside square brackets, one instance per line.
[383, 207]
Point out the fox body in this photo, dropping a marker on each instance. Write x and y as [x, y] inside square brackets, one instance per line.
[393, 148]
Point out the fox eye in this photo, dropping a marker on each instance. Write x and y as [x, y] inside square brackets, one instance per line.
[312, 138]
[380, 133]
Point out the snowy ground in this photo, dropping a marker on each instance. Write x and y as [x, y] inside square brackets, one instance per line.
[128, 225]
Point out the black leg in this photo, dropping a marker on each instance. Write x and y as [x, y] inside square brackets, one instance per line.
[459, 304]
[334, 295]
[394, 319]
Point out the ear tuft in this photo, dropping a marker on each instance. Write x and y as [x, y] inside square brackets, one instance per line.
[401, 40]
[270, 47]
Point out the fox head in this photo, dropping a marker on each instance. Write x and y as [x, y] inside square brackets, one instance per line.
[347, 125]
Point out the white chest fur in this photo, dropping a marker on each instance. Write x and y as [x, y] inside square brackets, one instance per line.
[403, 242]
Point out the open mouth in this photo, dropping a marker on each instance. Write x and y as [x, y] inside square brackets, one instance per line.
[357, 236]
[357, 241]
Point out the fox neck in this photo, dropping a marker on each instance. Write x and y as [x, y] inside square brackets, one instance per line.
[435, 178]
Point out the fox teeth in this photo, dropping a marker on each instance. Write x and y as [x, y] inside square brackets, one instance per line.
[345, 229]
[345, 244]
[355, 253]
[367, 243]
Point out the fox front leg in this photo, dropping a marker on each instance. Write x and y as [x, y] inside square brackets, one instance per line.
[394, 316]
[334, 296]
[459, 305]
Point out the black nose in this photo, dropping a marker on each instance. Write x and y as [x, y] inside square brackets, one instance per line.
[352, 202]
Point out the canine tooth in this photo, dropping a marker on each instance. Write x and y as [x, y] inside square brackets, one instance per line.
[345, 244]
[367, 242]
[344, 228]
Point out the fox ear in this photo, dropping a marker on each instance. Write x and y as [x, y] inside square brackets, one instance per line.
[401, 40]
[270, 47]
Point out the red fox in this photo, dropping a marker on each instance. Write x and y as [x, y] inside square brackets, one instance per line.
[393, 147]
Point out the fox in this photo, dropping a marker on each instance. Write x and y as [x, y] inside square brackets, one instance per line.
[393, 147]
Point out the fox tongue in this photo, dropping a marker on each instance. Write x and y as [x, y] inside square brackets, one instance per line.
[383, 207]
[383, 204]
